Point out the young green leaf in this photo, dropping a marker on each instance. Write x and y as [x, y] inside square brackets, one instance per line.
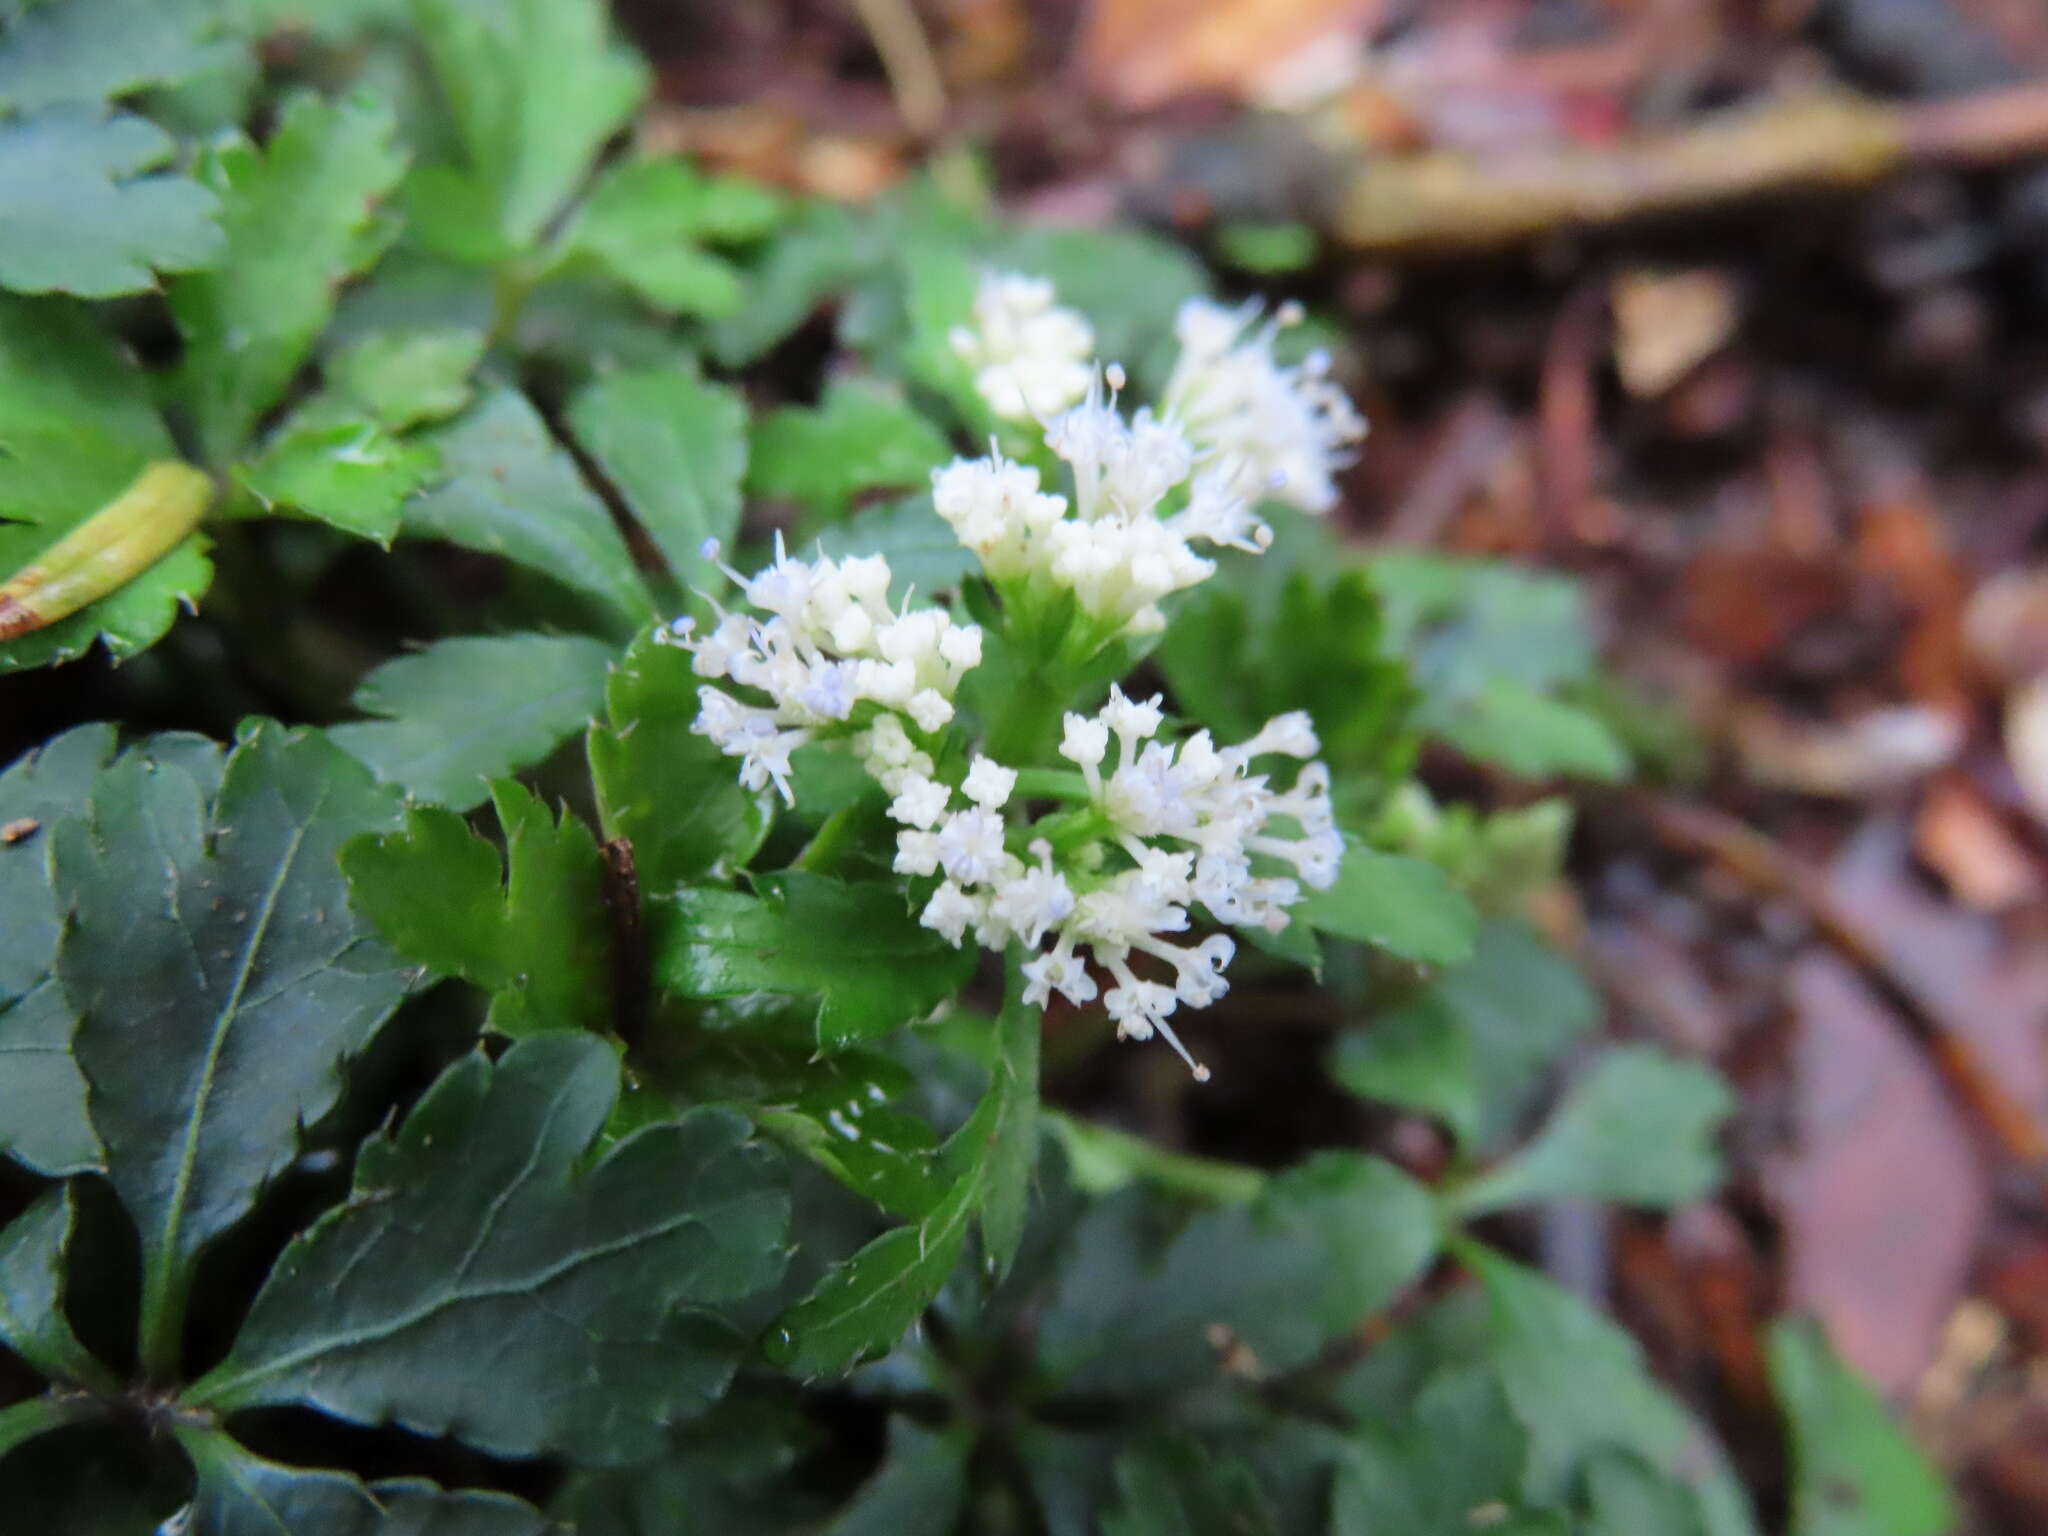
[508, 490]
[1855, 1472]
[481, 1222]
[294, 213]
[861, 437]
[676, 447]
[535, 938]
[43, 1122]
[220, 983]
[92, 51]
[535, 88]
[85, 217]
[859, 948]
[1402, 905]
[401, 378]
[1638, 1129]
[344, 469]
[238, 1493]
[465, 711]
[647, 221]
[32, 1319]
[1473, 1045]
[77, 427]
[660, 785]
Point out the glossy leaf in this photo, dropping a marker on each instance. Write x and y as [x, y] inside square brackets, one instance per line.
[1638, 1129]
[1399, 904]
[676, 448]
[536, 938]
[663, 787]
[859, 948]
[220, 982]
[88, 210]
[507, 489]
[465, 711]
[294, 214]
[479, 1233]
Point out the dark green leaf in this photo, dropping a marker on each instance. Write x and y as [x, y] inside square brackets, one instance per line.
[220, 982]
[343, 469]
[858, 947]
[294, 214]
[1324, 1246]
[478, 1225]
[1170, 1485]
[466, 711]
[25, 1421]
[919, 1490]
[509, 490]
[676, 447]
[76, 427]
[238, 1493]
[43, 1121]
[536, 87]
[1454, 1465]
[1638, 1129]
[95, 50]
[660, 785]
[537, 939]
[1400, 904]
[862, 437]
[32, 1319]
[1473, 1045]
[83, 215]
[404, 377]
[1855, 1473]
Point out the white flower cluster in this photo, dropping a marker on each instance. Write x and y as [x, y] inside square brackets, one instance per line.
[1190, 825]
[828, 645]
[1030, 356]
[1279, 430]
[1120, 551]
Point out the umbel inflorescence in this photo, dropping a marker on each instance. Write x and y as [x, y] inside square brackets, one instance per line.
[1099, 854]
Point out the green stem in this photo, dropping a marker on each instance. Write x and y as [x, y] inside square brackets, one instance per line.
[162, 1336]
[1104, 1159]
[23, 1422]
[1027, 725]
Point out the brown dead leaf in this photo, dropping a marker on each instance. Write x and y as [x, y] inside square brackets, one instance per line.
[1958, 835]
[1743, 602]
[1667, 323]
[1142, 53]
[1883, 1200]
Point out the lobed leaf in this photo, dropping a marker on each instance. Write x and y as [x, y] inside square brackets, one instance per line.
[93, 51]
[1402, 905]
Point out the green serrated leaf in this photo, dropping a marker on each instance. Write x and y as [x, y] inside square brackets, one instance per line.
[1473, 1045]
[536, 938]
[91, 51]
[43, 1122]
[862, 437]
[294, 214]
[480, 1221]
[238, 1493]
[465, 711]
[220, 982]
[1855, 1473]
[1323, 1246]
[508, 489]
[76, 428]
[535, 88]
[1402, 905]
[1638, 1129]
[646, 222]
[84, 214]
[342, 469]
[32, 1318]
[858, 947]
[676, 447]
[661, 786]
[1171, 1485]
[402, 378]
[921, 1485]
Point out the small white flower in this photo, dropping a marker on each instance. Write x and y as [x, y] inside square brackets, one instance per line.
[989, 784]
[921, 802]
[950, 913]
[971, 846]
[1030, 356]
